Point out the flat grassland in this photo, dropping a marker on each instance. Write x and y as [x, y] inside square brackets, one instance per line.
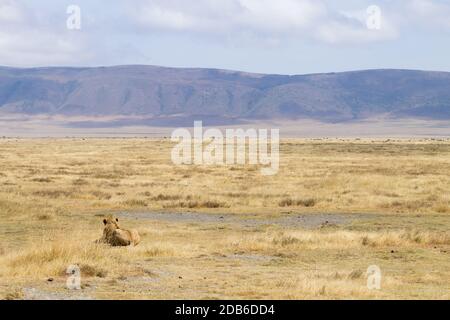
[335, 208]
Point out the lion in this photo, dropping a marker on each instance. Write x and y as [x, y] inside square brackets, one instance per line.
[117, 237]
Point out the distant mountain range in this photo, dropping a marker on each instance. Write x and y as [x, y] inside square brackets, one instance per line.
[166, 94]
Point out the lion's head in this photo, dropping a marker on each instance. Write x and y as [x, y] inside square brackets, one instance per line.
[111, 223]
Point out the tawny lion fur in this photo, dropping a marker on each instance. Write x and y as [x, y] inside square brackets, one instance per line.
[115, 236]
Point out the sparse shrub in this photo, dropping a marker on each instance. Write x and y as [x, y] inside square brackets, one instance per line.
[410, 205]
[42, 180]
[91, 271]
[109, 175]
[213, 204]
[414, 236]
[113, 184]
[307, 202]
[14, 295]
[289, 202]
[135, 203]
[189, 204]
[236, 194]
[101, 195]
[396, 203]
[322, 290]
[166, 197]
[355, 274]
[154, 252]
[197, 204]
[285, 241]
[442, 209]
[53, 194]
[80, 182]
[365, 241]
[44, 216]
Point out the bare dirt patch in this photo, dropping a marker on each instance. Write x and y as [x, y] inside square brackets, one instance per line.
[306, 221]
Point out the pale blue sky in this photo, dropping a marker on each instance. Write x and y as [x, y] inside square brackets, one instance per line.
[267, 36]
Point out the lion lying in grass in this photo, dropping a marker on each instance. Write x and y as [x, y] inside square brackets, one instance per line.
[115, 236]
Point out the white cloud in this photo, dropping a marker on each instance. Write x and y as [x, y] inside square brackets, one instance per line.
[26, 41]
[264, 18]
[33, 48]
[35, 33]
[217, 16]
[352, 27]
[336, 33]
[280, 16]
[429, 13]
[10, 12]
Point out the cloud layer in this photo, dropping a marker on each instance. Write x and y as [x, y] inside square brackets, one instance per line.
[28, 38]
[261, 18]
[35, 33]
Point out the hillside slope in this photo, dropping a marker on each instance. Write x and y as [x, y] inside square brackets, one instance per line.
[159, 92]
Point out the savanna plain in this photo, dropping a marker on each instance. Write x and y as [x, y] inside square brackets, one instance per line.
[336, 207]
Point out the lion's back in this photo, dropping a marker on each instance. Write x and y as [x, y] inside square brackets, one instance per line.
[123, 237]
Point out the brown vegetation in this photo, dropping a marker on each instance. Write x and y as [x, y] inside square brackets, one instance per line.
[53, 193]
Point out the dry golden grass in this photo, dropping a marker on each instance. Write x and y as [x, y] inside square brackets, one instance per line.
[54, 192]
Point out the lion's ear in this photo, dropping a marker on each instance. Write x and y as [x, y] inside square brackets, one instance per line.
[104, 221]
[117, 219]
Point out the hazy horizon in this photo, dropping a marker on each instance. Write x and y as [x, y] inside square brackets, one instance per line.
[219, 69]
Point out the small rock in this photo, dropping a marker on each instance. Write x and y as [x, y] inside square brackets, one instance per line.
[50, 279]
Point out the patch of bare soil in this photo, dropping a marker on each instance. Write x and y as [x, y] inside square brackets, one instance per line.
[306, 221]
[39, 294]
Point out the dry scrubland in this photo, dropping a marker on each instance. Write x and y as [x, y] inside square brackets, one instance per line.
[394, 195]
